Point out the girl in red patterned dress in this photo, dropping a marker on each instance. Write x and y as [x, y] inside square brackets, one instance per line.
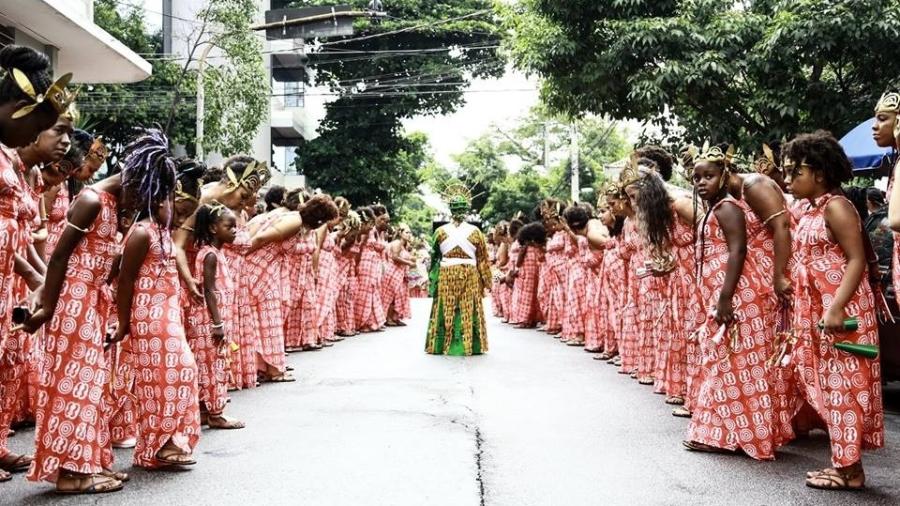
[297, 231]
[524, 308]
[612, 289]
[666, 225]
[830, 285]
[370, 315]
[149, 305]
[733, 410]
[348, 239]
[555, 275]
[212, 328]
[509, 256]
[630, 252]
[579, 315]
[22, 119]
[395, 292]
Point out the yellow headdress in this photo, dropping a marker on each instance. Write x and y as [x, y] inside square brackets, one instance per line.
[457, 195]
[57, 95]
[890, 102]
[715, 154]
[633, 172]
[551, 210]
[255, 175]
[180, 194]
[766, 162]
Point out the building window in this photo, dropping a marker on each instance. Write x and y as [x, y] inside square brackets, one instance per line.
[293, 94]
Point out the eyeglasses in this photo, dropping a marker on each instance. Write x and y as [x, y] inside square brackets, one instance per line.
[794, 170]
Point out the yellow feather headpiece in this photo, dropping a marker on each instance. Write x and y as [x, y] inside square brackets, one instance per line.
[57, 94]
[254, 176]
[551, 210]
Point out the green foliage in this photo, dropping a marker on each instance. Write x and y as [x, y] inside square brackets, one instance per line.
[115, 110]
[237, 91]
[360, 151]
[412, 210]
[488, 163]
[743, 72]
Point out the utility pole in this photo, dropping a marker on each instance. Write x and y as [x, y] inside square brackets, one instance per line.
[573, 157]
[201, 100]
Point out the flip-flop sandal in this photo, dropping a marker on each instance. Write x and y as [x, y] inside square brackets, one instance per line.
[704, 448]
[681, 412]
[282, 378]
[169, 461]
[229, 424]
[645, 381]
[123, 477]
[675, 401]
[95, 487]
[600, 357]
[838, 481]
[18, 465]
[401, 324]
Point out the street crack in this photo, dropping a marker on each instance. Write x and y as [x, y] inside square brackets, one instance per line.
[479, 453]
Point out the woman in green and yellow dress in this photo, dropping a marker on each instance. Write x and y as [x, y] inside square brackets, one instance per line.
[460, 274]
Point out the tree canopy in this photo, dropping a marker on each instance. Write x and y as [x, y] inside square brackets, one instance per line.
[417, 61]
[743, 72]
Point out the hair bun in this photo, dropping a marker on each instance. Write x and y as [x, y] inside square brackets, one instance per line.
[23, 58]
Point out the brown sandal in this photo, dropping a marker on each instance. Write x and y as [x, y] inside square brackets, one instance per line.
[227, 423]
[165, 456]
[705, 448]
[835, 479]
[13, 463]
[96, 484]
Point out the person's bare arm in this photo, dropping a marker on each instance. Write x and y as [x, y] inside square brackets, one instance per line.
[843, 222]
[731, 219]
[768, 203]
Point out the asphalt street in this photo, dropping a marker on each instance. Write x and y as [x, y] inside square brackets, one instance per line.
[376, 421]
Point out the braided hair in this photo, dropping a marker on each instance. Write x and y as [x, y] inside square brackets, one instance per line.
[190, 174]
[148, 174]
[36, 67]
[206, 218]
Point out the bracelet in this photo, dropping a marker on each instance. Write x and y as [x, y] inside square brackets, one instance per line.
[218, 325]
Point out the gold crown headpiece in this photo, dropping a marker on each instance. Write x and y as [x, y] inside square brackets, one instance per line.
[889, 102]
[633, 172]
[688, 155]
[255, 175]
[715, 154]
[551, 210]
[97, 154]
[215, 208]
[57, 95]
[766, 162]
[457, 192]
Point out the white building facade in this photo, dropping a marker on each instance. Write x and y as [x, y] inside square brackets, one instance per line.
[65, 31]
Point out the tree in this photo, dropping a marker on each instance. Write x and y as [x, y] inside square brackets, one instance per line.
[115, 110]
[418, 61]
[743, 72]
[237, 96]
[517, 192]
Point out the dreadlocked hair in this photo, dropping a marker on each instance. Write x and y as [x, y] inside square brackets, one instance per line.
[577, 217]
[318, 210]
[532, 234]
[663, 160]
[654, 208]
[190, 174]
[148, 174]
[206, 218]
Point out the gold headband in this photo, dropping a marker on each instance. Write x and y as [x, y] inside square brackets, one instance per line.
[715, 154]
[180, 194]
[632, 173]
[889, 102]
[765, 162]
[57, 95]
[215, 207]
[551, 211]
[254, 176]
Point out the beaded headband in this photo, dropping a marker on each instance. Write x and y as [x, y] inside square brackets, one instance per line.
[57, 95]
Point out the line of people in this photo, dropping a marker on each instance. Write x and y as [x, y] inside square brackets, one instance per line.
[130, 306]
[750, 303]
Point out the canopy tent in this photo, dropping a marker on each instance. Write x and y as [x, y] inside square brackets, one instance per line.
[861, 148]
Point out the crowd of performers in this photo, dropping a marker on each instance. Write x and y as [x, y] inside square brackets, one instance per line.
[131, 305]
[731, 301]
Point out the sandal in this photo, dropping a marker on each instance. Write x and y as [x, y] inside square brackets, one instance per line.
[675, 401]
[645, 381]
[681, 412]
[704, 448]
[281, 378]
[13, 463]
[96, 484]
[835, 479]
[174, 457]
[109, 473]
[4, 476]
[574, 343]
[602, 356]
[226, 423]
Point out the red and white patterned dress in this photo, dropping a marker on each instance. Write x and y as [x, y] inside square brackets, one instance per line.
[578, 317]
[682, 303]
[395, 289]
[524, 308]
[71, 429]
[370, 314]
[242, 363]
[263, 275]
[632, 258]
[555, 277]
[347, 287]
[595, 317]
[327, 285]
[56, 219]
[843, 388]
[165, 373]
[211, 355]
[12, 241]
[501, 293]
[733, 409]
[613, 295]
[300, 329]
